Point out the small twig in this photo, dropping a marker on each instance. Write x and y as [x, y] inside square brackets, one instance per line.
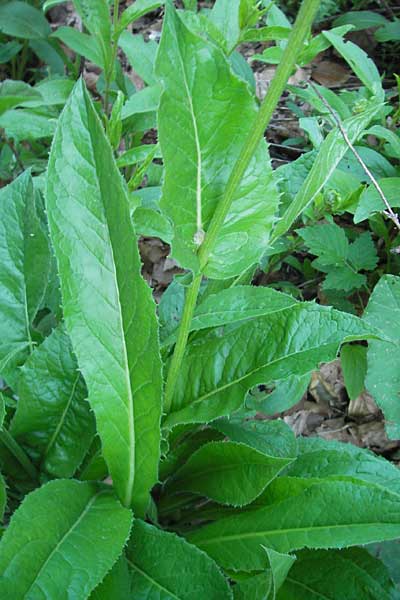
[389, 211]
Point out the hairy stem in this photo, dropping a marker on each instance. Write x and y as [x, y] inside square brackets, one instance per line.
[180, 346]
[294, 46]
[110, 67]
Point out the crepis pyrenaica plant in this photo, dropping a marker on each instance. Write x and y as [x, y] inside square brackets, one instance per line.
[129, 438]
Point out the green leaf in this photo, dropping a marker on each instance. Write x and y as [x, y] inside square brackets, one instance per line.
[134, 12]
[371, 202]
[116, 585]
[225, 16]
[342, 278]
[144, 101]
[53, 417]
[95, 15]
[227, 472]
[81, 43]
[333, 575]
[150, 223]
[362, 253]
[216, 113]
[235, 304]
[9, 50]
[15, 93]
[361, 19]
[286, 394]
[330, 153]
[358, 60]
[3, 497]
[354, 365]
[327, 241]
[25, 260]
[383, 375]
[19, 19]
[48, 4]
[280, 565]
[269, 437]
[140, 54]
[348, 514]
[253, 588]
[321, 458]
[2, 410]
[290, 342]
[193, 574]
[27, 125]
[56, 526]
[99, 265]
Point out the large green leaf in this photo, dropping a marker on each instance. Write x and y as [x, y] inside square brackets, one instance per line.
[330, 153]
[334, 575]
[254, 588]
[218, 371]
[165, 566]
[321, 458]
[108, 308]
[53, 417]
[19, 19]
[225, 16]
[383, 373]
[116, 585]
[62, 541]
[330, 514]
[95, 15]
[270, 437]
[236, 304]
[228, 472]
[25, 266]
[371, 202]
[205, 113]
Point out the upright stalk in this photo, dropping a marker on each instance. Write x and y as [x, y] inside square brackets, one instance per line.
[110, 67]
[294, 46]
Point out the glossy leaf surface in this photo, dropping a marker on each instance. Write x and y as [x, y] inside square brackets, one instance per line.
[54, 528]
[165, 566]
[108, 309]
[348, 514]
[53, 417]
[383, 372]
[205, 113]
[25, 260]
[218, 371]
[228, 472]
[334, 575]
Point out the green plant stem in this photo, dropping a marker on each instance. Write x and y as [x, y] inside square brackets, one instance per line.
[294, 46]
[295, 43]
[180, 346]
[110, 67]
[17, 452]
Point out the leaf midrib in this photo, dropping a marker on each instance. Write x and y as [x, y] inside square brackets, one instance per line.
[131, 425]
[62, 418]
[64, 537]
[153, 581]
[275, 532]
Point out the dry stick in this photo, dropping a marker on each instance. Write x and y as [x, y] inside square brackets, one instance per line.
[294, 46]
[389, 211]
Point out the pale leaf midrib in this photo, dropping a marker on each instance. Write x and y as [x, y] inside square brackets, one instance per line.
[131, 445]
[153, 581]
[64, 537]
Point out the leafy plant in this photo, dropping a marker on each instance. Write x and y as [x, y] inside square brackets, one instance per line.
[132, 465]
